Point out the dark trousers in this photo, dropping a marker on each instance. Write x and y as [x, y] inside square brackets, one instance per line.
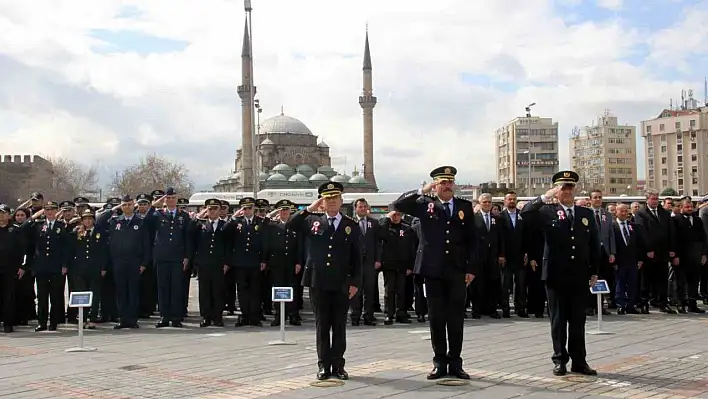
[607, 273]
[330, 309]
[7, 297]
[148, 291]
[446, 303]
[127, 280]
[367, 297]
[704, 282]
[71, 313]
[211, 292]
[566, 306]
[89, 282]
[687, 277]
[25, 308]
[395, 286]
[50, 289]
[654, 279]
[266, 285]
[536, 291]
[170, 290]
[627, 281]
[186, 283]
[299, 290]
[109, 302]
[248, 282]
[230, 290]
[421, 302]
[284, 276]
[410, 291]
[514, 281]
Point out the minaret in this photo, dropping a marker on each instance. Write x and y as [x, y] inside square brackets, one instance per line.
[368, 102]
[244, 91]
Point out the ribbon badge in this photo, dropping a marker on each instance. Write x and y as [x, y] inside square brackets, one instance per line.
[58, 230]
[98, 236]
[368, 225]
[604, 218]
[400, 233]
[431, 208]
[315, 227]
[44, 228]
[136, 227]
[255, 227]
[629, 227]
[118, 226]
[561, 215]
[493, 221]
[239, 226]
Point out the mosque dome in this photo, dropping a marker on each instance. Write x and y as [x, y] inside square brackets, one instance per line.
[277, 177]
[262, 176]
[327, 171]
[318, 178]
[322, 144]
[358, 179]
[305, 170]
[298, 177]
[283, 124]
[341, 179]
[267, 142]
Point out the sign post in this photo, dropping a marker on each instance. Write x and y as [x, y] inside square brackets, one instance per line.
[282, 295]
[600, 287]
[81, 300]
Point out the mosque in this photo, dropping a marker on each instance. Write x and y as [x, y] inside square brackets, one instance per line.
[289, 155]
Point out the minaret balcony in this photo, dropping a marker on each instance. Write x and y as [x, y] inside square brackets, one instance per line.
[367, 100]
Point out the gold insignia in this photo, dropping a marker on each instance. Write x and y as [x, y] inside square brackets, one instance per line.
[566, 174]
[255, 228]
[98, 236]
[585, 221]
[348, 230]
[461, 215]
[448, 170]
[330, 186]
[58, 230]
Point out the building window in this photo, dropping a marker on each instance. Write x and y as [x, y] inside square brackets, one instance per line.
[648, 128]
[694, 180]
[692, 123]
[664, 183]
[663, 149]
[680, 181]
[678, 125]
[694, 157]
[693, 146]
[679, 158]
[695, 192]
[664, 172]
[663, 160]
[663, 138]
[679, 147]
[661, 127]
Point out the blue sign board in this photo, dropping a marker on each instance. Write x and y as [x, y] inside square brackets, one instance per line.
[600, 287]
[282, 294]
[80, 299]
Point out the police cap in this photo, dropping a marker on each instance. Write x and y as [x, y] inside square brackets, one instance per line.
[183, 201]
[88, 214]
[330, 189]
[66, 205]
[212, 202]
[126, 198]
[444, 173]
[246, 202]
[284, 204]
[170, 191]
[51, 205]
[565, 177]
[81, 201]
[35, 196]
[113, 201]
[225, 203]
[144, 198]
[4, 208]
[157, 193]
[262, 203]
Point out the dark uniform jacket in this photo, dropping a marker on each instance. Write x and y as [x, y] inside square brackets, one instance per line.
[630, 254]
[332, 257]
[397, 250]
[129, 242]
[246, 242]
[170, 243]
[12, 249]
[48, 248]
[442, 243]
[490, 243]
[89, 252]
[572, 251]
[690, 240]
[660, 235]
[515, 244]
[282, 246]
[207, 247]
[370, 243]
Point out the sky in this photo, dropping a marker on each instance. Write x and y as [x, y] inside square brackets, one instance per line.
[107, 82]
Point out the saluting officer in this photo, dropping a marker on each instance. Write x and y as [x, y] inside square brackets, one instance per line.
[148, 281]
[12, 249]
[88, 262]
[333, 273]
[170, 257]
[82, 205]
[246, 259]
[230, 284]
[447, 260]
[282, 254]
[68, 216]
[182, 204]
[108, 301]
[262, 207]
[397, 258]
[207, 248]
[49, 256]
[571, 259]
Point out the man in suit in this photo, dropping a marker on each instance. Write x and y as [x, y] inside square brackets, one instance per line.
[691, 250]
[366, 299]
[571, 259]
[629, 239]
[446, 260]
[12, 249]
[603, 219]
[515, 254]
[703, 214]
[333, 273]
[486, 290]
[660, 247]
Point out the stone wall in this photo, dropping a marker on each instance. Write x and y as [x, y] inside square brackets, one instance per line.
[22, 174]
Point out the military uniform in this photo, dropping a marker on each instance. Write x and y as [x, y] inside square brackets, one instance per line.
[190, 272]
[108, 302]
[12, 249]
[397, 257]
[207, 250]
[262, 206]
[447, 250]
[230, 280]
[68, 210]
[148, 280]
[245, 240]
[332, 265]
[571, 256]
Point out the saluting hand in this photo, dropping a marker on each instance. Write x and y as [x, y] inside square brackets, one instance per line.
[298, 268]
[534, 265]
[64, 270]
[352, 291]
[469, 277]
[315, 206]
[142, 269]
[593, 279]
[20, 273]
[263, 266]
[185, 263]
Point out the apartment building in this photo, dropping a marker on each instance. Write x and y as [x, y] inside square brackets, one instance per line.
[527, 154]
[604, 155]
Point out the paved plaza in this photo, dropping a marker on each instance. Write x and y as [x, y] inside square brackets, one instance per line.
[649, 356]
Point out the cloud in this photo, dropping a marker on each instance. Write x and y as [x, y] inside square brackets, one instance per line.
[111, 81]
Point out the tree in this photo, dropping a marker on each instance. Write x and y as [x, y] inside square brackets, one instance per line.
[151, 173]
[669, 192]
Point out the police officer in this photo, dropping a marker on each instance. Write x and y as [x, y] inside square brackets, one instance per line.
[68, 216]
[129, 243]
[12, 250]
[148, 281]
[333, 273]
[262, 208]
[88, 261]
[571, 259]
[245, 234]
[170, 257]
[82, 205]
[108, 303]
[189, 272]
[282, 253]
[446, 259]
[207, 249]
[397, 258]
[230, 280]
[49, 256]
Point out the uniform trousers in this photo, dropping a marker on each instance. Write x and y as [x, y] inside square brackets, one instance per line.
[148, 290]
[127, 280]
[566, 307]
[25, 309]
[186, 283]
[230, 290]
[536, 291]
[514, 281]
[627, 279]
[71, 313]
[421, 302]
[446, 304]
[89, 281]
[109, 303]
[366, 299]
[284, 276]
[7, 297]
[410, 291]
[395, 286]
[266, 285]
[299, 290]
[211, 291]
[330, 309]
[50, 289]
[654, 278]
[170, 290]
[248, 282]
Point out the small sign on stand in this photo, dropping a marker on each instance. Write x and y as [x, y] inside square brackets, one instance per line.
[600, 287]
[81, 300]
[282, 295]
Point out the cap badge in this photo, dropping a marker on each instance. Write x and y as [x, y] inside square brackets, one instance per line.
[330, 186]
[566, 174]
[448, 170]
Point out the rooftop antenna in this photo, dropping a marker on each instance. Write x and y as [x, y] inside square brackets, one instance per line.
[705, 91]
[528, 109]
[671, 104]
[683, 99]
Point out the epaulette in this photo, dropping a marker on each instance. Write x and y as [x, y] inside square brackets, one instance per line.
[350, 218]
[463, 200]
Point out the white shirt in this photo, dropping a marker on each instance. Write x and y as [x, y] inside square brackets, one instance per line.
[337, 219]
[624, 229]
[487, 219]
[214, 224]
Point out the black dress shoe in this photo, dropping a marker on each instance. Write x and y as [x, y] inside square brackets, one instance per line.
[177, 324]
[294, 321]
[645, 309]
[134, 325]
[369, 321]
[583, 369]
[436, 373]
[506, 314]
[421, 318]
[240, 322]
[7, 329]
[631, 310]
[605, 312]
[340, 374]
[495, 315]
[404, 320]
[268, 312]
[523, 314]
[476, 316]
[262, 317]
[276, 322]
[52, 327]
[560, 369]
[695, 309]
[205, 323]
[162, 323]
[219, 323]
[121, 326]
[323, 374]
[538, 315]
[621, 311]
[355, 322]
[459, 373]
[41, 327]
[388, 321]
[256, 323]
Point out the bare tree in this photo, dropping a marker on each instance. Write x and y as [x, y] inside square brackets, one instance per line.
[151, 173]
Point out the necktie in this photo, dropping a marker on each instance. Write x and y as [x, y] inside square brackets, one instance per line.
[448, 212]
[569, 212]
[625, 233]
[597, 217]
[331, 221]
[486, 220]
[362, 224]
[690, 220]
[655, 214]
